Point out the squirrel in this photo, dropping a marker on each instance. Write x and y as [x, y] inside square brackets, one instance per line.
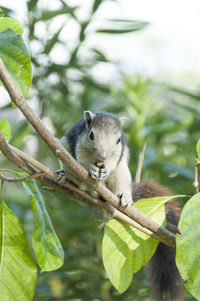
[98, 143]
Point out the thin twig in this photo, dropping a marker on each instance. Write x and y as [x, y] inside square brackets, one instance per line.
[38, 165]
[22, 179]
[8, 153]
[140, 165]
[196, 182]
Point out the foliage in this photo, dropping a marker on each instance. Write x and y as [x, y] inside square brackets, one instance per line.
[164, 117]
[18, 272]
[198, 151]
[5, 129]
[14, 53]
[124, 26]
[125, 249]
[46, 245]
[189, 265]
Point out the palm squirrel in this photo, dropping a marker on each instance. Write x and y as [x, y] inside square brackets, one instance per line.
[98, 143]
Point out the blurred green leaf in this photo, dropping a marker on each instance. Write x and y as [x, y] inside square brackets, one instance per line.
[18, 273]
[186, 92]
[50, 14]
[50, 43]
[11, 23]
[169, 126]
[5, 129]
[125, 249]
[94, 84]
[46, 245]
[32, 4]
[100, 56]
[119, 26]
[96, 4]
[15, 56]
[6, 10]
[183, 171]
[189, 243]
[198, 149]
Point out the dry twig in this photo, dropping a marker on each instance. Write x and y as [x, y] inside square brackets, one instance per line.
[140, 165]
[196, 182]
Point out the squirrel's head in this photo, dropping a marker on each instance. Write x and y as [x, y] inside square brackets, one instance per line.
[104, 134]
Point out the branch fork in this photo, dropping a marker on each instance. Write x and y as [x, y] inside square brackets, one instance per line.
[130, 215]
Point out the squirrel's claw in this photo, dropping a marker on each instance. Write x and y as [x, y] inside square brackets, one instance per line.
[125, 199]
[61, 176]
[98, 173]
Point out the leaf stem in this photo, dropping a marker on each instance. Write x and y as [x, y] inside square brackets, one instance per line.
[2, 190]
[196, 182]
[2, 229]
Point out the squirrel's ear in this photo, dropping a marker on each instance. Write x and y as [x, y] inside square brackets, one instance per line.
[122, 120]
[88, 115]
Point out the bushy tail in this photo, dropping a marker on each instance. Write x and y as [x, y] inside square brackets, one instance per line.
[165, 280]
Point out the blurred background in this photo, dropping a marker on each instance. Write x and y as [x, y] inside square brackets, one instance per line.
[138, 59]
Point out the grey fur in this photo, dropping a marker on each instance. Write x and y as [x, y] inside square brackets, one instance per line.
[98, 137]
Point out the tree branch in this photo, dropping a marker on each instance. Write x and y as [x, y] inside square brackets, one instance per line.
[75, 192]
[73, 165]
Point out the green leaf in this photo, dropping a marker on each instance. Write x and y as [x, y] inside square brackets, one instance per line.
[185, 92]
[50, 14]
[18, 272]
[31, 4]
[11, 23]
[96, 5]
[15, 56]
[150, 206]
[119, 26]
[188, 245]
[124, 253]
[125, 249]
[198, 149]
[5, 129]
[100, 55]
[47, 247]
[51, 43]
[6, 11]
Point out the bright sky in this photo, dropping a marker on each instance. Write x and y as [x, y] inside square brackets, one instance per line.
[168, 49]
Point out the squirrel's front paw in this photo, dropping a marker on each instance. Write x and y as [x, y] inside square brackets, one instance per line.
[125, 199]
[98, 172]
[61, 176]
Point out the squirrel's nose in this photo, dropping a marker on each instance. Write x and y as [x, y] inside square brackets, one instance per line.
[103, 156]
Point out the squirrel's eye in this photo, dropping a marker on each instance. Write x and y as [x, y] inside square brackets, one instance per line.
[91, 135]
[118, 141]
